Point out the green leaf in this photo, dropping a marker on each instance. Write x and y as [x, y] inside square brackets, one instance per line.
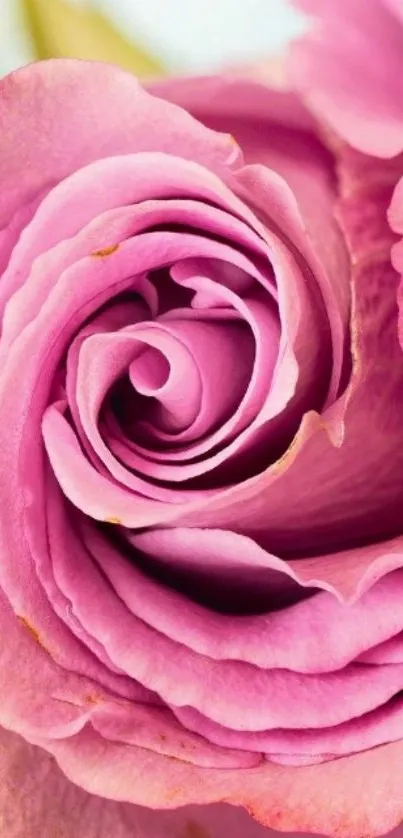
[60, 29]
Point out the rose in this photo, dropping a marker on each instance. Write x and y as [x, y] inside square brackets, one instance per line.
[200, 457]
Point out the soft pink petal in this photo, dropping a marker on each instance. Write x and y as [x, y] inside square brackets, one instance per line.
[349, 71]
[232, 94]
[396, 7]
[76, 112]
[36, 799]
[362, 792]
[53, 702]
[311, 457]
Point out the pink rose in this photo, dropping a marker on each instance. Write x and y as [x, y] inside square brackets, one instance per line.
[201, 394]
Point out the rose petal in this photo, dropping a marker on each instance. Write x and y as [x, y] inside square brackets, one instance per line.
[349, 71]
[305, 746]
[365, 789]
[124, 180]
[189, 349]
[115, 225]
[362, 212]
[55, 806]
[274, 131]
[275, 698]
[268, 640]
[234, 93]
[10, 234]
[55, 702]
[315, 239]
[68, 124]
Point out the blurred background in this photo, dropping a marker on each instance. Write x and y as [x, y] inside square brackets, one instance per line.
[147, 36]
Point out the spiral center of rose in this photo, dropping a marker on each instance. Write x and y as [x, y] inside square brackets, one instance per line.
[169, 374]
[185, 366]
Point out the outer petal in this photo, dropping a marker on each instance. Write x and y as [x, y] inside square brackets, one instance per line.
[351, 797]
[36, 799]
[349, 71]
[59, 115]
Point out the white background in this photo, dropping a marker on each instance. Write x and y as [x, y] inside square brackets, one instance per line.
[187, 35]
